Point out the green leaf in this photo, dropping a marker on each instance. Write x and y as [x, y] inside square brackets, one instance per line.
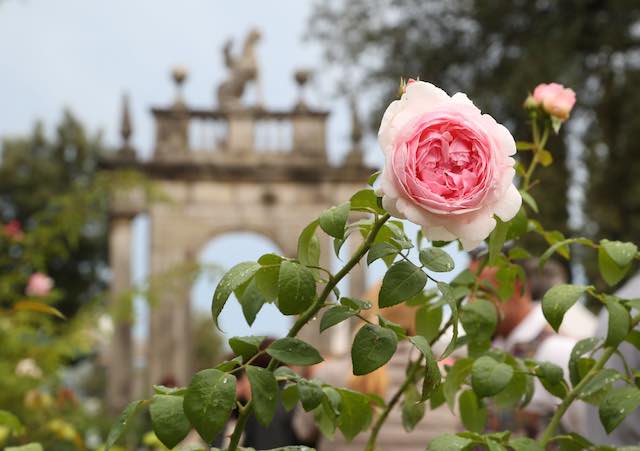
[436, 260]
[264, 393]
[515, 393]
[246, 347]
[555, 247]
[610, 271]
[551, 377]
[403, 281]
[228, 365]
[355, 413]
[524, 145]
[530, 201]
[373, 177]
[28, 447]
[355, 304]
[336, 315]
[558, 300]
[290, 396]
[456, 375]
[479, 319]
[169, 423]
[449, 297]
[472, 411]
[296, 288]
[10, 421]
[518, 225]
[173, 391]
[581, 348]
[267, 276]
[572, 442]
[372, 347]
[121, 424]
[309, 246]
[621, 253]
[381, 250]
[232, 280]
[311, 394]
[448, 442]
[496, 240]
[401, 332]
[618, 403]
[544, 156]
[251, 299]
[432, 377]
[551, 372]
[619, 323]
[489, 377]
[554, 236]
[525, 444]
[209, 401]
[334, 220]
[412, 408]
[634, 339]
[601, 382]
[428, 320]
[293, 351]
[366, 200]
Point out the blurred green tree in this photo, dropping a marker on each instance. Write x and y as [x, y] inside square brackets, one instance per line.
[37, 168]
[496, 51]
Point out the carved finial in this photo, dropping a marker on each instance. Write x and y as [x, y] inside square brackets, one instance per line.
[354, 156]
[179, 75]
[126, 129]
[302, 77]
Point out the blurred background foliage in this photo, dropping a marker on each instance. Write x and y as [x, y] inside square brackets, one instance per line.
[495, 51]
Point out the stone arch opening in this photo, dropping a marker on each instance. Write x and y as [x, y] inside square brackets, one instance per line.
[219, 254]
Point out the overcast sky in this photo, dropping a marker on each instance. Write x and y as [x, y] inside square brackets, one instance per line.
[83, 54]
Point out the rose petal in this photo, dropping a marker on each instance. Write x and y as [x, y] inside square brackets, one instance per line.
[508, 206]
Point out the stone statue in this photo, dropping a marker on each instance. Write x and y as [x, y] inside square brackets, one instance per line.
[243, 69]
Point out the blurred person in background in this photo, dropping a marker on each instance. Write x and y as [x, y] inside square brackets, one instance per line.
[383, 382]
[628, 432]
[523, 331]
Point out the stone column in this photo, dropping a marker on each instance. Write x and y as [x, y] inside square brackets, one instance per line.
[120, 354]
[170, 332]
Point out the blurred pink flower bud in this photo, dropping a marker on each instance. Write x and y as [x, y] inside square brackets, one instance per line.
[555, 99]
[39, 284]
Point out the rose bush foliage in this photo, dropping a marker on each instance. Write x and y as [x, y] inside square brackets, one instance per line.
[449, 169]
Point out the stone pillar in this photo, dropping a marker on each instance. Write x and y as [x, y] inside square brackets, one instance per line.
[170, 333]
[120, 354]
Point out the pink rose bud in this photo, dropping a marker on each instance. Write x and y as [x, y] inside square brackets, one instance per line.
[13, 230]
[556, 100]
[531, 103]
[39, 284]
[448, 167]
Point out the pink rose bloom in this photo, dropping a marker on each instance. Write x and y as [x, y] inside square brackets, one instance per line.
[39, 284]
[448, 167]
[555, 99]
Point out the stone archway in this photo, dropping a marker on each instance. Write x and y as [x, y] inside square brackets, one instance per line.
[227, 185]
